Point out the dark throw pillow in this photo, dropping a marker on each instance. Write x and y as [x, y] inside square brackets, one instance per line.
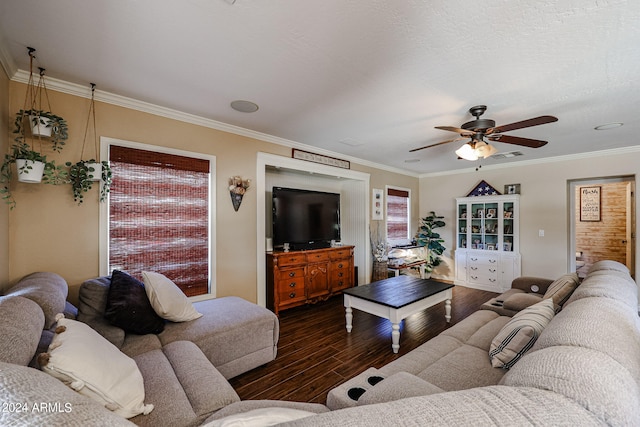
[128, 306]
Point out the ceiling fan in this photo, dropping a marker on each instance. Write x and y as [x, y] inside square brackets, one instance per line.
[479, 129]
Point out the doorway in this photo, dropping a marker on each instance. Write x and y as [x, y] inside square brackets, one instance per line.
[602, 219]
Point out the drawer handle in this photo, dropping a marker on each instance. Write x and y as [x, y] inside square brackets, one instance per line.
[292, 295]
[492, 270]
[340, 283]
[474, 277]
[340, 265]
[292, 284]
[340, 274]
[474, 268]
[493, 261]
[492, 280]
[474, 259]
[292, 274]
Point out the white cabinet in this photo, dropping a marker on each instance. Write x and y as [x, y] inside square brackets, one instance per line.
[487, 254]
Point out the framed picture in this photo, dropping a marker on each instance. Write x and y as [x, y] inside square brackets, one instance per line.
[512, 189]
[507, 246]
[491, 246]
[480, 213]
[590, 199]
[377, 205]
[492, 212]
[319, 158]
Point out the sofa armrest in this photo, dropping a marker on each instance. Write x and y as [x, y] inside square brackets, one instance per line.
[519, 302]
[536, 285]
[398, 386]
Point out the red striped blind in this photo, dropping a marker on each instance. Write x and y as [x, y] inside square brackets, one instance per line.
[397, 214]
[159, 216]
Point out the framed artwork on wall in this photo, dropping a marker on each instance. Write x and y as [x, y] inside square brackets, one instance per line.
[377, 205]
[590, 200]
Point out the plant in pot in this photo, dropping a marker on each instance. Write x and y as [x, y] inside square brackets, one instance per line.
[83, 174]
[430, 240]
[31, 166]
[43, 124]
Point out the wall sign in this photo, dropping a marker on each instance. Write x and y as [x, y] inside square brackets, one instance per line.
[590, 199]
[319, 158]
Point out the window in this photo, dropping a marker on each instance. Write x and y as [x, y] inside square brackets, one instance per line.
[160, 215]
[398, 203]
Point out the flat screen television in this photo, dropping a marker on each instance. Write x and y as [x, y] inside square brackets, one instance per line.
[305, 219]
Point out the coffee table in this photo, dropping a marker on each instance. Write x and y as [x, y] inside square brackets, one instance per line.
[396, 299]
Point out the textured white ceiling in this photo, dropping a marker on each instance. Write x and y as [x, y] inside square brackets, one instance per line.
[368, 79]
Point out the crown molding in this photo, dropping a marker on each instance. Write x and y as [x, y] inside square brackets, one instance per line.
[22, 76]
[588, 155]
[6, 60]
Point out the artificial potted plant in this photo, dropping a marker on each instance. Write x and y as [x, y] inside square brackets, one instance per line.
[430, 240]
[84, 173]
[42, 124]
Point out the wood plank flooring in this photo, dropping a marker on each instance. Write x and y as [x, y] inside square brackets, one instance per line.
[316, 354]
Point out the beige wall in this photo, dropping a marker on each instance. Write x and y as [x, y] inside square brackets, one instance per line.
[48, 232]
[4, 211]
[543, 203]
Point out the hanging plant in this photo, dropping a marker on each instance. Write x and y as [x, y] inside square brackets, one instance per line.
[42, 124]
[82, 177]
[84, 173]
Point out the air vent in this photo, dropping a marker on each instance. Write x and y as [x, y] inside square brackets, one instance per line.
[507, 155]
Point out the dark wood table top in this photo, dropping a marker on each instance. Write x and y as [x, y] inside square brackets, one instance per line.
[396, 292]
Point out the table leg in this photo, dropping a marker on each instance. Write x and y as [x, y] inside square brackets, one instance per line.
[395, 337]
[447, 310]
[349, 317]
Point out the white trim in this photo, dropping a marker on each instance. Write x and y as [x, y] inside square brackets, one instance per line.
[262, 161]
[105, 143]
[6, 60]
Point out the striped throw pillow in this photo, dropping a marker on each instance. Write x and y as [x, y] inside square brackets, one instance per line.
[517, 337]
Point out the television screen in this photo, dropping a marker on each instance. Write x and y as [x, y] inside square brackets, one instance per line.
[305, 219]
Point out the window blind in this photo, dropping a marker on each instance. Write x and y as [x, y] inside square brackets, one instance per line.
[397, 214]
[159, 216]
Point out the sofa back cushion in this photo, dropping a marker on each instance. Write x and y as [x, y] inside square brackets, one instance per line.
[20, 329]
[562, 288]
[610, 284]
[92, 303]
[48, 290]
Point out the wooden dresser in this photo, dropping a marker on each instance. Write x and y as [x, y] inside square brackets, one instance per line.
[305, 277]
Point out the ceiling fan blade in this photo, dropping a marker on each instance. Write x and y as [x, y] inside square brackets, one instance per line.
[435, 145]
[536, 121]
[465, 132]
[509, 139]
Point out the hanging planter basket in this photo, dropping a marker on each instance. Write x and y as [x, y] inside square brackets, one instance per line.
[94, 172]
[40, 126]
[30, 171]
[236, 200]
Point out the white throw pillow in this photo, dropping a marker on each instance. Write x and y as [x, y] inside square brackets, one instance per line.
[260, 417]
[167, 299]
[520, 333]
[91, 365]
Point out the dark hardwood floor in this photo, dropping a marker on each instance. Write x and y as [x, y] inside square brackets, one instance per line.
[315, 352]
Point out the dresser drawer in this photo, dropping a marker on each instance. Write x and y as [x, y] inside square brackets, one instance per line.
[482, 260]
[317, 257]
[340, 254]
[291, 290]
[293, 259]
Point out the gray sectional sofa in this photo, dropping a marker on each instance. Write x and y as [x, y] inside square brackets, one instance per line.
[584, 369]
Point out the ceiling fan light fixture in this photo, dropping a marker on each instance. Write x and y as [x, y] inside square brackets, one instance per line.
[467, 152]
[485, 150]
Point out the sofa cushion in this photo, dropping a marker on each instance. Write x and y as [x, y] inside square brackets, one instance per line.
[249, 405]
[560, 290]
[20, 329]
[128, 306]
[608, 265]
[94, 367]
[49, 402]
[168, 301]
[182, 384]
[260, 417]
[594, 381]
[519, 335]
[611, 284]
[519, 302]
[398, 386]
[92, 303]
[235, 335]
[48, 290]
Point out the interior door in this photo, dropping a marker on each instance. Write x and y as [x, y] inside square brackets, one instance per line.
[603, 223]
